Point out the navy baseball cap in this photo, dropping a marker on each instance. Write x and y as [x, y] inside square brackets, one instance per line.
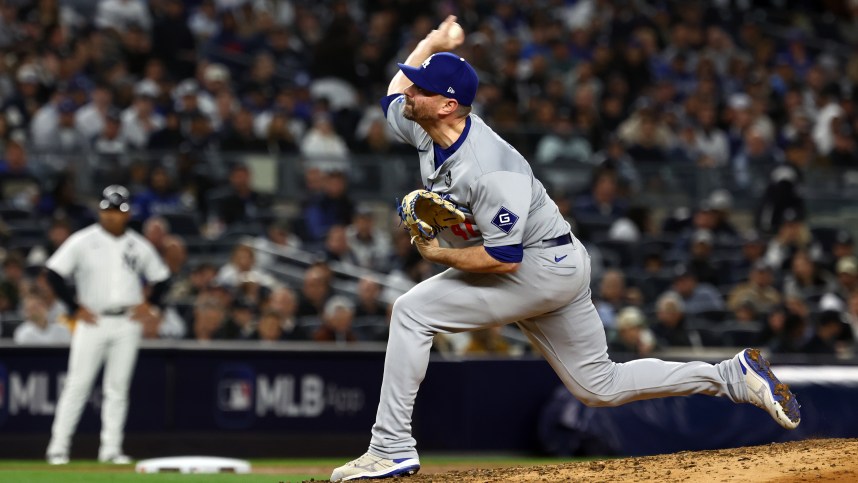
[447, 74]
[115, 197]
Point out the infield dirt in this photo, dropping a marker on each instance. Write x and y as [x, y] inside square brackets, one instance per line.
[820, 460]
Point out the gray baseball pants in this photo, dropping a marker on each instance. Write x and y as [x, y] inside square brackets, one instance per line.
[549, 298]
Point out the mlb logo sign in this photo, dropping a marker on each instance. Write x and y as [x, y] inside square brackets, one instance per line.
[235, 395]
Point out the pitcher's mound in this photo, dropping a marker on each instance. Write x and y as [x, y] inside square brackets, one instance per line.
[817, 460]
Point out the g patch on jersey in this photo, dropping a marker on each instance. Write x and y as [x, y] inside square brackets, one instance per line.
[504, 219]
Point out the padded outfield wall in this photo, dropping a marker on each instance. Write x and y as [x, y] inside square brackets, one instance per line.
[311, 400]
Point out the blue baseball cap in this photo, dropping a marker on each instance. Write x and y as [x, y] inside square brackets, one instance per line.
[447, 74]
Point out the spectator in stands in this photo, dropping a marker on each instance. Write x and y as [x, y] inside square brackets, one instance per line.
[614, 157]
[208, 318]
[337, 247]
[758, 290]
[710, 141]
[175, 254]
[321, 142]
[159, 197]
[720, 203]
[284, 303]
[745, 312]
[330, 207]
[64, 137]
[184, 290]
[269, 329]
[827, 118]
[794, 335]
[408, 268]
[792, 236]
[242, 267]
[37, 328]
[109, 144]
[91, 118]
[315, 291]
[337, 318]
[252, 290]
[238, 202]
[18, 183]
[487, 341]
[829, 330]
[758, 154]
[239, 134]
[564, 144]
[202, 21]
[57, 309]
[58, 232]
[783, 199]
[842, 246]
[805, 280]
[369, 245]
[850, 314]
[612, 290]
[603, 200]
[669, 329]
[172, 39]
[753, 250]
[241, 324]
[373, 138]
[773, 327]
[646, 136]
[141, 120]
[278, 236]
[280, 133]
[170, 136]
[12, 280]
[20, 109]
[700, 258]
[156, 229]
[118, 14]
[633, 335]
[843, 153]
[370, 307]
[697, 297]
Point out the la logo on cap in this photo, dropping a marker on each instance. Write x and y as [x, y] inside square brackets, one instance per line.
[425, 63]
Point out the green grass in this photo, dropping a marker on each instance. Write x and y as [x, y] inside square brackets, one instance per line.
[279, 470]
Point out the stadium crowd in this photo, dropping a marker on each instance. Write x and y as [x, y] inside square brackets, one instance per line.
[167, 96]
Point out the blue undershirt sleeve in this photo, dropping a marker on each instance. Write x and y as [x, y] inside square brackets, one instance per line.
[507, 254]
[385, 102]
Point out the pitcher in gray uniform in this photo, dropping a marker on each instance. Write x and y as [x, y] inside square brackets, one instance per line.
[513, 260]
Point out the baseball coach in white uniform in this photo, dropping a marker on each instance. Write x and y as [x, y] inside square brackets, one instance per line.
[109, 264]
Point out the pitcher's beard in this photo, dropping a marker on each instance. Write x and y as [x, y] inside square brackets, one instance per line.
[412, 114]
[408, 112]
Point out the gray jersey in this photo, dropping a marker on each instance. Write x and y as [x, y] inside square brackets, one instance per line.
[490, 181]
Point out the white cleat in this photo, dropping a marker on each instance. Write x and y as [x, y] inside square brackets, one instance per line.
[117, 459]
[57, 459]
[372, 466]
[767, 392]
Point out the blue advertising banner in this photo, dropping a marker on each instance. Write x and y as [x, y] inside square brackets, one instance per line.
[31, 380]
[276, 392]
[323, 402]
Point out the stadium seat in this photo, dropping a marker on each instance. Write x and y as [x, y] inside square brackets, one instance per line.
[181, 223]
[11, 213]
[740, 334]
